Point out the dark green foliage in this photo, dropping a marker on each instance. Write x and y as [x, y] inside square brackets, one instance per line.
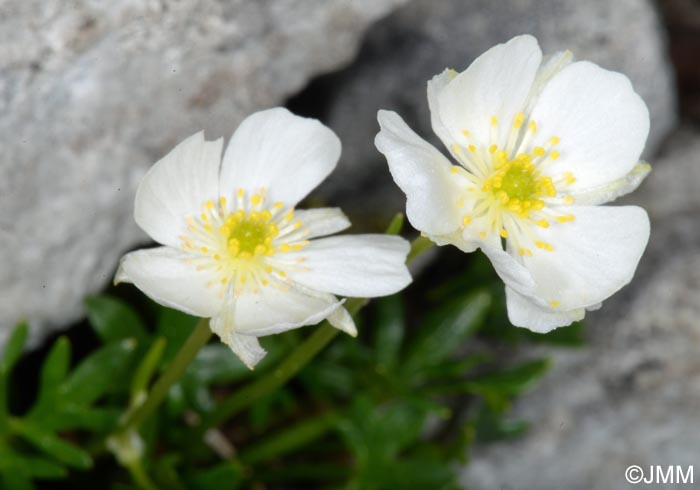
[399, 407]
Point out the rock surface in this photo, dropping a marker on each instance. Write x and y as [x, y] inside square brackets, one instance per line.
[631, 397]
[91, 93]
[420, 39]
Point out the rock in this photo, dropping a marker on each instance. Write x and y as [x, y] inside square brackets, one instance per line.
[405, 50]
[92, 93]
[631, 396]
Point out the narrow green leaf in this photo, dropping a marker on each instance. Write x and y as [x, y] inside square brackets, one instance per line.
[99, 373]
[509, 382]
[225, 475]
[396, 225]
[444, 331]
[14, 347]
[15, 480]
[72, 416]
[39, 468]
[114, 320]
[52, 445]
[53, 372]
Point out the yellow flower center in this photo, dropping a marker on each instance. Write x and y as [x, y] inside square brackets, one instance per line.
[249, 234]
[517, 184]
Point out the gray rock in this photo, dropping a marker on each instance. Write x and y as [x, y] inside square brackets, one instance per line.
[91, 93]
[416, 42]
[631, 396]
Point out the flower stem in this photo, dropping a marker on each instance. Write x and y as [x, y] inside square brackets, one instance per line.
[197, 339]
[303, 354]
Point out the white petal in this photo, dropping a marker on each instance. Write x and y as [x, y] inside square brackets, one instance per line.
[246, 347]
[361, 266]
[286, 154]
[497, 84]
[342, 320]
[550, 66]
[177, 186]
[322, 221]
[602, 123]
[523, 312]
[618, 188]
[169, 277]
[511, 272]
[435, 88]
[593, 257]
[422, 173]
[279, 307]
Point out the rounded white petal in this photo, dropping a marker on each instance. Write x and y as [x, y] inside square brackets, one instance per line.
[523, 312]
[288, 155]
[361, 266]
[613, 190]
[169, 277]
[600, 120]
[279, 307]
[321, 221]
[422, 173]
[593, 257]
[435, 87]
[497, 84]
[177, 186]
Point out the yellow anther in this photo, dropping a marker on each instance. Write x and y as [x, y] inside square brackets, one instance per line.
[569, 200]
[204, 249]
[482, 234]
[554, 304]
[454, 169]
[222, 201]
[525, 251]
[456, 149]
[466, 220]
[542, 223]
[243, 279]
[504, 233]
[207, 228]
[209, 205]
[494, 121]
[554, 154]
[217, 257]
[278, 205]
[492, 149]
[539, 151]
[260, 249]
[203, 216]
[282, 273]
[554, 140]
[472, 148]
[285, 247]
[264, 282]
[519, 118]
[465, 133]
[255, 200]
[224, 280]
[268, 269]
[240, 192]
[532, 126]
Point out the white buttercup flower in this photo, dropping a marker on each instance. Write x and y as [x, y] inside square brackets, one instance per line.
[539, 144]
[235, 249]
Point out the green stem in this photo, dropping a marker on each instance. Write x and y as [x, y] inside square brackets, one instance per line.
[303, 354]
[197, 339]
[140, 477]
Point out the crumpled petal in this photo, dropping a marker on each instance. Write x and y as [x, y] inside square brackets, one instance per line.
[524, 312]
[422, 173]
[246, 347]
[177, 186]
[288, 155]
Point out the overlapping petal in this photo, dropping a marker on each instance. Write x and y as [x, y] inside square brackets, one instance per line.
[524, 312]
[286, 154]
[177, 186]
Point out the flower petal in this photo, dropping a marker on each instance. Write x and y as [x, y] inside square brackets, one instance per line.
[600, 120]
[288, 155]
[511, 272]
[435, 87]
[342, 320]
[246, 347]
[279, 307]
[177, 186]
[168, 277]
[322, 221]
[422, 173]
[360, 266]
[618, 188]
[497, 84]
[523, 312]
[593, 257]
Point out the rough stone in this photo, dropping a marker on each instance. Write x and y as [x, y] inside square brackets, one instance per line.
[91, 93]
[631, 396]
[420, 39]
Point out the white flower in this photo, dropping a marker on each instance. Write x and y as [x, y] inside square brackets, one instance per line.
[539, 143]
[235, 249]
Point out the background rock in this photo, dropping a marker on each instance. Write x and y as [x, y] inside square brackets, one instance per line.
[419, 40]
[632, 395]
[91, 93]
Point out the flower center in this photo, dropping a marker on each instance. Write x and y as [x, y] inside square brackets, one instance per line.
[517, 184]
[249, 234]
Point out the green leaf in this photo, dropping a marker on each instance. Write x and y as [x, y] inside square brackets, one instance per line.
[149, 365]
[52, 445]
[15, 480]
[14, 348]
[114, 320]
[53, 372]
[225, 475]
[510, 382]
[396, 225]
[390, 327]
[103, 371]
[175, 327]
[33, 467]
[72, 416]
[446, 329]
